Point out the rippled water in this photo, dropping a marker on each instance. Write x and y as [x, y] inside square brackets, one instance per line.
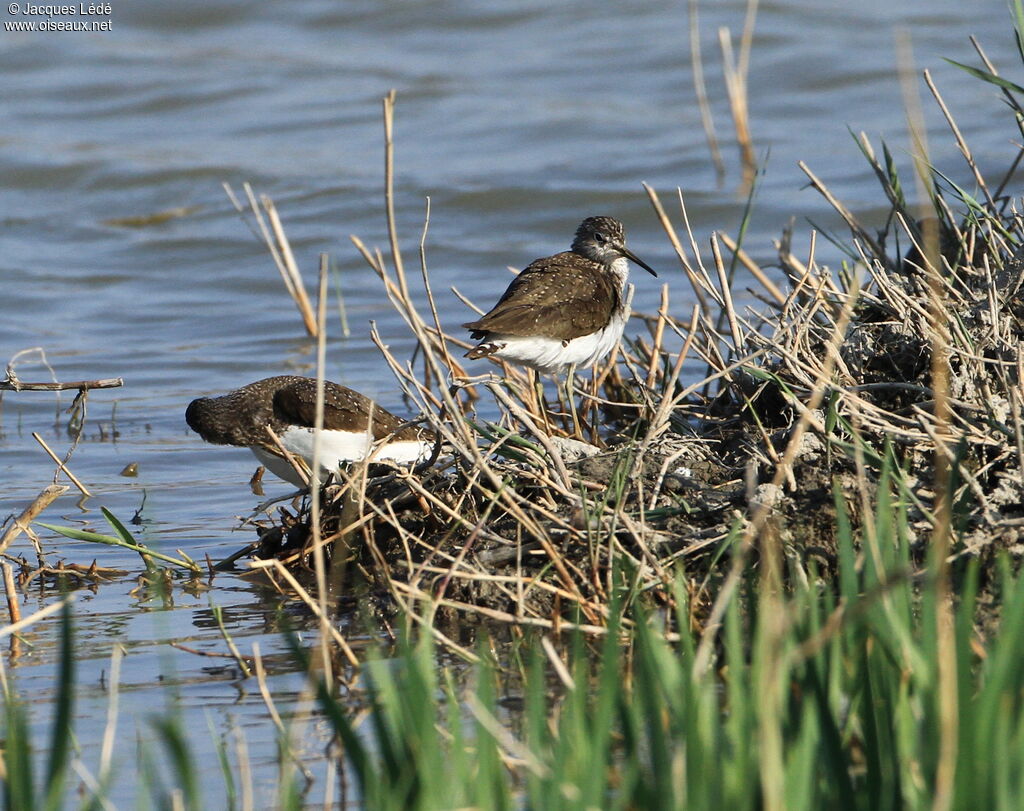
[515, 122]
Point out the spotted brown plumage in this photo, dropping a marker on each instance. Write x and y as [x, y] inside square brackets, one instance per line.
[287, 404]
[562, 296]
[565, 309]
[240, 417]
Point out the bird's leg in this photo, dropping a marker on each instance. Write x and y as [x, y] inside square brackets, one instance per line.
[592, 407]
[570, 395]
[540, 407]
[266, 505]
[531, 386]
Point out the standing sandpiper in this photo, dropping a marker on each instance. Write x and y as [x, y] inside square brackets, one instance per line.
[287, 404]
[564, 310]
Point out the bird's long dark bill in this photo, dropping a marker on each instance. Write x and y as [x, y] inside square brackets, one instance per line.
[633, 257]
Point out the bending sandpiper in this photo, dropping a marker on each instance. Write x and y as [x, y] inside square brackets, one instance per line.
[564, 310]
[287, 404]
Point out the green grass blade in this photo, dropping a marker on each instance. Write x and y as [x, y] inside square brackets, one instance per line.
[60, 737]
[175, 742]
[367, 776]
[986, 76]
[18, 785]
[224, 761]
[110, 540]
[119, 528]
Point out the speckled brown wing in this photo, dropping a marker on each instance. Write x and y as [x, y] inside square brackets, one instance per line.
[563, 297]
[344, 409]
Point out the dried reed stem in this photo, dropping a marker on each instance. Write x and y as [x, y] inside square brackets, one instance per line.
[735, 72]
[61, 465]
[319, 563]
[13, 384]
[700, 89]
[313, 605]
[21, 523]
[13, 607]
[753, 268]
[32, 619]
[277, 244]
[949, 724]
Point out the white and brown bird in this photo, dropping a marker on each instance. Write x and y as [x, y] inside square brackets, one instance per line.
[565, 310]
[352, 423]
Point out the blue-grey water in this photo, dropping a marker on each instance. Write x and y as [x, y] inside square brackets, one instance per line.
[516, 120]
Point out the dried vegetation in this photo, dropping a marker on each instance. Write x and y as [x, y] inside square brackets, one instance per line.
[906, 356]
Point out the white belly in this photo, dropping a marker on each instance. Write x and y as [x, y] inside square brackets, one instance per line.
[337, 448]
[551, 356]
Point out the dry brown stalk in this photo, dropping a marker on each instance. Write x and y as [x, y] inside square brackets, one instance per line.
[277, 244]
[700, 88]
[960, 142]
[21, 523]
[244, 769]
[428, 625]
[32, 619]
[297, 466]
[699, 282]
[667, 405]
[753, 268]
[659, 334]
[730, 310]
[439, 333]
[61, 465]
[851, 221]
[389, 190]
[311, 604]
[12, 383]
[1018, 423]
[319, 561]
[268, 700]
[293, 280]
[13, 607]
[735, 72]
[407, 310]
[991, 68]
[938, 302]
[209, 654]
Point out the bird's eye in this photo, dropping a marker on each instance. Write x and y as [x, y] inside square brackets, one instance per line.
[599, 236]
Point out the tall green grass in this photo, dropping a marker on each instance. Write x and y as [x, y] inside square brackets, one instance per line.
[38, 779]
